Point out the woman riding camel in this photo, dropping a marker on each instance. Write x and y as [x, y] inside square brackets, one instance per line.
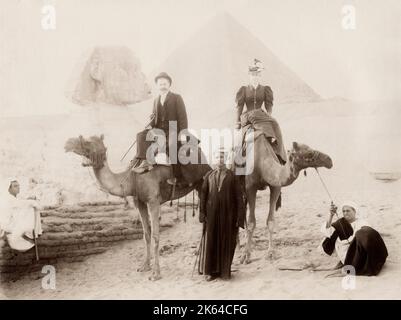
[254, 95]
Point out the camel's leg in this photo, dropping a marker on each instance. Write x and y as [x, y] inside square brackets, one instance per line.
[251, 224]
[274, 195]
[154, 209]
[143, 210]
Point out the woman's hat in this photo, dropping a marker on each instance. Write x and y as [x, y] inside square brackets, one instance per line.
[163, 75]
[256, 66]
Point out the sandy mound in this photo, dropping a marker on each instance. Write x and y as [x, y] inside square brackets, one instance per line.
[111, 75]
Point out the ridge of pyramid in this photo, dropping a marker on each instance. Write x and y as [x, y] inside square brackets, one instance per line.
[210, 66]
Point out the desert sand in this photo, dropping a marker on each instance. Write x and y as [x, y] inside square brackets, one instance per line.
[360, 137]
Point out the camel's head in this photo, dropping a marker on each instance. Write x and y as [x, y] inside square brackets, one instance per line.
[92, 149]
[305, 157]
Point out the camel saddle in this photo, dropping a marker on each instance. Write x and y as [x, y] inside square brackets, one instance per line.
[262, 124]
[191, 172]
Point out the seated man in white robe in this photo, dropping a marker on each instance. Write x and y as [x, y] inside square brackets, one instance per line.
[19, 218]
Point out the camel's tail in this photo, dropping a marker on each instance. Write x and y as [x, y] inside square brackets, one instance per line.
[278, 203]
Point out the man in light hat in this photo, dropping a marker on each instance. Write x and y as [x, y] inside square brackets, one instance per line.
[19, 219]
[222, 212]
[354, 241]
[167, 107]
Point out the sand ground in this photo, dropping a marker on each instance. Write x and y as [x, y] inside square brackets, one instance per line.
[353, 135]
[112, 275]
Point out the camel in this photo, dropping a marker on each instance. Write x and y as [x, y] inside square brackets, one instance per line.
[268, 172]
[149, 190]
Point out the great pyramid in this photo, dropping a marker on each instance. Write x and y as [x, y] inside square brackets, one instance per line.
[209, 68]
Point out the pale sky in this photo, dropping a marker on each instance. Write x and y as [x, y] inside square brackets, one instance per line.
[360, 64]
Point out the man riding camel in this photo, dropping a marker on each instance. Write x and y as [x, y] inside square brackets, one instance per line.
[168, 110]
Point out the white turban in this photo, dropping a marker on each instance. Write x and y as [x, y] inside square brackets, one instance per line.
[8, 182]
[352, 204]
[5, 185]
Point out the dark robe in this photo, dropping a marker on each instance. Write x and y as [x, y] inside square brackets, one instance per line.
[367, 252]
[222, 210]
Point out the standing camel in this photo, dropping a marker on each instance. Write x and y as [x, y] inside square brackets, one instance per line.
[268, 172]
[149, 190]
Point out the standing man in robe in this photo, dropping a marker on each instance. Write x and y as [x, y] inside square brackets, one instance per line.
[222, 212]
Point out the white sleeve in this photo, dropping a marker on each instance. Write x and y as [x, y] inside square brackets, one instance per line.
[358, 225]
[327, 232]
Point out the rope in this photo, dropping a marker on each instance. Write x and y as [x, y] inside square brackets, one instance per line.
[98, 185]
[132, 145]
[328, 193]
[324, 185]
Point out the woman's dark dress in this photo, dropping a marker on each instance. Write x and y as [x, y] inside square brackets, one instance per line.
[254, 100]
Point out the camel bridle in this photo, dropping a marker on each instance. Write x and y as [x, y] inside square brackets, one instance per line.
[96, 158]
[297, 157]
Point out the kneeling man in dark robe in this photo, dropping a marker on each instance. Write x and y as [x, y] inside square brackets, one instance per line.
[355, 242]
[222, 212]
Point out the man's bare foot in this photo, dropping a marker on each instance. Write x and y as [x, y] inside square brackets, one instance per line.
[210, 278]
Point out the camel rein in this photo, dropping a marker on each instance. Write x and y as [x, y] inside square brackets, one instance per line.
[328, 193]
[324, 185]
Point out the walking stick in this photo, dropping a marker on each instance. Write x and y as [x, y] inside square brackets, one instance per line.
[172, 195]
[199, 247]
[185, 209]
[178, 208]
[193, 203]
[34, 237]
